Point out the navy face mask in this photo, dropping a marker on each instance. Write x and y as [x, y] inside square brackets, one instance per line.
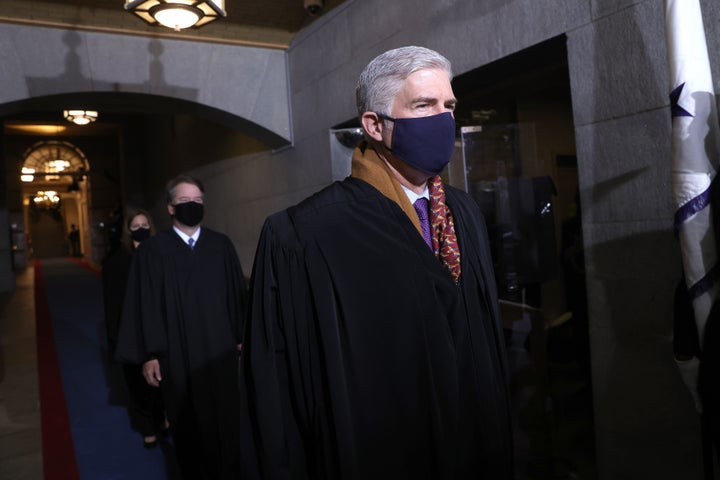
[425, 143]
[189, 213]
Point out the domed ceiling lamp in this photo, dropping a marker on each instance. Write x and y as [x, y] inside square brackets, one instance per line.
[80, 117]
[177, 14]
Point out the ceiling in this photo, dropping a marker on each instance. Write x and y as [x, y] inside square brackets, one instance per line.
[263, 23]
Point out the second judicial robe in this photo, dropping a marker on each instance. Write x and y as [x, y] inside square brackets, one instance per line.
[145, 404]
[362, 359]
[185, 307]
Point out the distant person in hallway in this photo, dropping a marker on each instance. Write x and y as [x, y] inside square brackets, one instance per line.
[74, 238]
[182, 319]
[373, 347]
[145, 402]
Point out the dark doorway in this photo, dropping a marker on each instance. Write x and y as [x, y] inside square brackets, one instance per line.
[518, 154]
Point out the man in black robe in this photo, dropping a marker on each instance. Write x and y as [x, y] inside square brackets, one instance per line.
[182, 319]
[373, 347]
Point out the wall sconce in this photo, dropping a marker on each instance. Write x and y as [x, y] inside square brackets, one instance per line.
[80, 117]
[177, 14]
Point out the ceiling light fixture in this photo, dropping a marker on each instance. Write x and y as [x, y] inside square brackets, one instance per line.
[177, 14]
[80, 117]
[47, 199]
[28, 174]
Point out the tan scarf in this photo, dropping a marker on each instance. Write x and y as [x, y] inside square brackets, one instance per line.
[369, 167]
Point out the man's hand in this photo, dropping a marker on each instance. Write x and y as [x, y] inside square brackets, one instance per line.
[151, 372]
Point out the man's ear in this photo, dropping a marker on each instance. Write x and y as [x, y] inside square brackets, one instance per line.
[171, 209]
[373, 125]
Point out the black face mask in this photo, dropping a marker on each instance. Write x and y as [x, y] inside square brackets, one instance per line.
[189, 213]
[140, 234]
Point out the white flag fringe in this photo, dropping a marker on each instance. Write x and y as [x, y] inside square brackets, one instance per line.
[695, 134]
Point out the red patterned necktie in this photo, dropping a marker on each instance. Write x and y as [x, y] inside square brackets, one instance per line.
[444, 239]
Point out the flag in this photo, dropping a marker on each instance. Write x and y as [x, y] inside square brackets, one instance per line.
[695, 135]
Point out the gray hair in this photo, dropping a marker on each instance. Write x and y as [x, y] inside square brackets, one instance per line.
[382, 78]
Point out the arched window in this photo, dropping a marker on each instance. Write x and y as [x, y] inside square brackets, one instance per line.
[54, 161]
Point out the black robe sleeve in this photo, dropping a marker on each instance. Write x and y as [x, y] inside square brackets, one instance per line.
[142, 334]
[279, 294]
[130, 337]
[237, 300]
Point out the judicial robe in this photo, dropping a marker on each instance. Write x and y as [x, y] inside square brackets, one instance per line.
[145, 407]
[362, 359]
[185, 307]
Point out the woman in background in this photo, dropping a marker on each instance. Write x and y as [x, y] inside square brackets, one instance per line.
[145, 403]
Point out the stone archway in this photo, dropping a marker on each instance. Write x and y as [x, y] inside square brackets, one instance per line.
[239, 86]
[55, 190]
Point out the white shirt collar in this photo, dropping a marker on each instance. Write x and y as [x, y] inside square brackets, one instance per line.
[185, 237]
[412, 196]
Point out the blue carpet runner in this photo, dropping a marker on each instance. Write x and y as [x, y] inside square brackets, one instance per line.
[104, 445]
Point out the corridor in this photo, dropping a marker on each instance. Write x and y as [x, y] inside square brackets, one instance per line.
[62, 403]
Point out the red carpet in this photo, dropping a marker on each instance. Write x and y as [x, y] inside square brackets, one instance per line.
[59, 461]
[86, 265]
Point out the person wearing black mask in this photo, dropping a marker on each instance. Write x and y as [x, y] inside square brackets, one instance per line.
[145, 406]
[373, 346]
[188, 295]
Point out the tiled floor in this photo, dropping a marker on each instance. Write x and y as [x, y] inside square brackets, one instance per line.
[20, 441]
